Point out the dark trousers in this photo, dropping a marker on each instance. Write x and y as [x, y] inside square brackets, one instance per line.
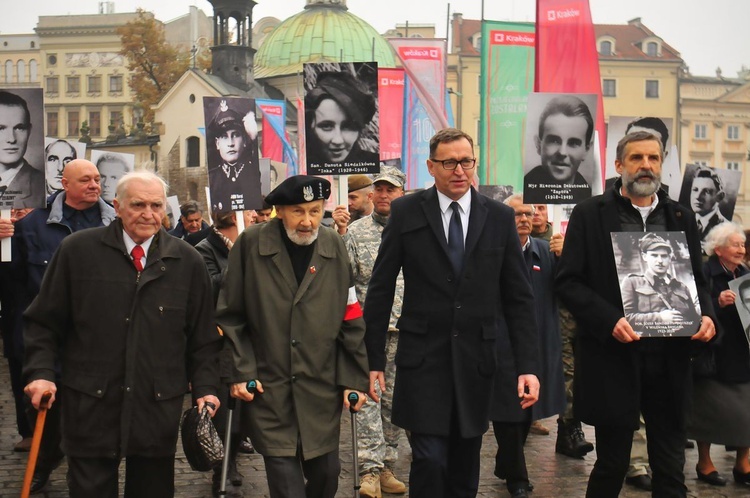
[444, 466]
[286, 476]
[510, 461]
[665, 433]
[98, 477]
[16, 383]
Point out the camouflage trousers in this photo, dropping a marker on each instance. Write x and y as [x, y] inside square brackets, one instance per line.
[568, 328]
[377, 437]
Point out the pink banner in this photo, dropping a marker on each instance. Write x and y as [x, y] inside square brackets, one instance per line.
[424, 61]
[566, 57]
[391, 105]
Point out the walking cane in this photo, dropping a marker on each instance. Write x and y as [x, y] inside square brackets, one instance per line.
[35, 442]
[228, 437]
[353, 400]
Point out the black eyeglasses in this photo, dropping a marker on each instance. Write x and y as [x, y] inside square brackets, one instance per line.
[451, 164]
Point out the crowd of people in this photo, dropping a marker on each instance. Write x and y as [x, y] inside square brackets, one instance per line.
[441, 311]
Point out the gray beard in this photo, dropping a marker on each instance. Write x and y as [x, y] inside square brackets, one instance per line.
[640, 189]
[300, 241]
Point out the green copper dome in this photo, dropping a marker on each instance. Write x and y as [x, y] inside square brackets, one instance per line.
[323, 32]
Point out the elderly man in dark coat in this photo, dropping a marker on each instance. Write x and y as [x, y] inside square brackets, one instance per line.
[289, 309]
[511, 423]
[126, 310]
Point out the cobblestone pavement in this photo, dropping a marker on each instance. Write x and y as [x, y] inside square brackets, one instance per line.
[552, 475]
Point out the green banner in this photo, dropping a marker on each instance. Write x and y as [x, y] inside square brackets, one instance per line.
[507, 78]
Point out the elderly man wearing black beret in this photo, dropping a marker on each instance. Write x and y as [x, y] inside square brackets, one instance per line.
[290, 313]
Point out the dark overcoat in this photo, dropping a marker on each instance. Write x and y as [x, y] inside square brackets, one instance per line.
[607, 383]
[505, 403]
[293, 338]
[128, 343]
[451, 325]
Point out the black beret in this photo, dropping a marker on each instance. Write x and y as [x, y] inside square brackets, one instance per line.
[299, 190]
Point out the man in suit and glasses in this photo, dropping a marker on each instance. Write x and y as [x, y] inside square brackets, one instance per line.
[467, 297]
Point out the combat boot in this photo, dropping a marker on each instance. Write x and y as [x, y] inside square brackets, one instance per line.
[571, 440]
[369, 485]
[389, 483]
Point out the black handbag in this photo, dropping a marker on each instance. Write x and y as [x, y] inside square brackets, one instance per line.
[200, 441]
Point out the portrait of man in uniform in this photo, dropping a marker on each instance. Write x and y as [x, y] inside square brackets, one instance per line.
[234, 176]
[660, 300]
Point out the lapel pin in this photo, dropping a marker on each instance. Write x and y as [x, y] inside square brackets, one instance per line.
[312, 269]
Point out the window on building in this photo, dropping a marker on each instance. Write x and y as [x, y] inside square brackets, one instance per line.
[733, 132]
[701, 131]
[33, 71]
[115, 118]
[652, 89]
[74, 124]
[115, 84]
[605, 48]
[701, 163]
[52, 128]
[21, 71]
[9, 71]
[733, 165]
[609, 88]
[478, 42]
[95, 84]
[193, 145]
[652, 49]
[192, 190]
[95, 123]
[73, 84]
[53, 85]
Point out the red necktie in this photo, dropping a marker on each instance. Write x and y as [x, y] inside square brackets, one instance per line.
[137, 253]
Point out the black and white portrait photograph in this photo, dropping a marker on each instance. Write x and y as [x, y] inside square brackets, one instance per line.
[560, 166]
[496, 192]
[619, 126]
[341, 118]
[22, 182]
[711, 194]
[57, 153]
[659, 295]
[741, 288]
[112, 166]
[232, 145]
[173, 207]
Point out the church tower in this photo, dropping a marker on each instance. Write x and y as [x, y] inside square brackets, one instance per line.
[232, 52]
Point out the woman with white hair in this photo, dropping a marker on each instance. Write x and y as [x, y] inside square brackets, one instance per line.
[720, 400]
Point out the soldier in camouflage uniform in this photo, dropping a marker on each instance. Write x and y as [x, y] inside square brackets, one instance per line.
[377, 446]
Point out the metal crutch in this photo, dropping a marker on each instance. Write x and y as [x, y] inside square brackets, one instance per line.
[228, 437]
[353, 400]
[36, 441]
